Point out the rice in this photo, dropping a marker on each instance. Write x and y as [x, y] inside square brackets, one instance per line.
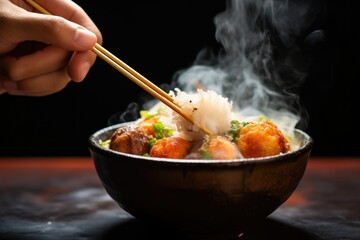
[207, 108]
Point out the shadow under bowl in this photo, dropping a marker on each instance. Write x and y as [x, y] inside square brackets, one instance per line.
[199, 195]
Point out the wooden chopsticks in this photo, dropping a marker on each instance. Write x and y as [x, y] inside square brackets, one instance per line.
[132, 75]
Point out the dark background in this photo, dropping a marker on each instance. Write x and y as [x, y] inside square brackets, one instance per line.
[158, 39]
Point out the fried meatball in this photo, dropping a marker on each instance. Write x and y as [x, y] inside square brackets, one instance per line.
[130, 139]
[171, 147]
[261, 139]
[215, 147]
[147, 124]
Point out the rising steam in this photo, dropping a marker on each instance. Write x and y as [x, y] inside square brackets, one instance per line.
[259, 66]
[256, 67]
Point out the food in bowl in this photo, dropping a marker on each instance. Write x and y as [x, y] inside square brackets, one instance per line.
[196, 195]
[185, 188]
[161, 132]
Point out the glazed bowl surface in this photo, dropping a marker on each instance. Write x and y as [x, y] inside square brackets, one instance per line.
[199, 195]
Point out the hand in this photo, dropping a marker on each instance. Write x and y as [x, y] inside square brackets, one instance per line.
[40, 54]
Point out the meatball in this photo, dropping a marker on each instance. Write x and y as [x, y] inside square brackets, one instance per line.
[130, 139]
[261, 139]
[215, 147]
[171, 147]
[147, 125]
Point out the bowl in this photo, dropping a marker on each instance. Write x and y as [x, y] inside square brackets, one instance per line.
[201, 196]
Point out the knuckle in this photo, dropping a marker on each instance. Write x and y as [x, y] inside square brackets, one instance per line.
[55, 26]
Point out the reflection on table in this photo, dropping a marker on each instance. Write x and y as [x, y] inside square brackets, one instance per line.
[62, 198]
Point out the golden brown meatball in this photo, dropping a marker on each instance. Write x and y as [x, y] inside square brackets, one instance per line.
[215, 147]
[147, 124]
[171, 147]
[261, 139]
[130, 139]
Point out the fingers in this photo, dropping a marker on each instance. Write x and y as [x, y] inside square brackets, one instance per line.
[80, 64]
[66, 30]
[72, 12]
[18, 73]
[43, 85]
[48, 59]
[81, 61]
[68, 34]
[43, 63]
[51, 30]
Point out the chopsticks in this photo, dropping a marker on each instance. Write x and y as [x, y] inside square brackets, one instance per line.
[133, 75]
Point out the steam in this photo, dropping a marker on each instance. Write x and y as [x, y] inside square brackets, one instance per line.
[259, 66]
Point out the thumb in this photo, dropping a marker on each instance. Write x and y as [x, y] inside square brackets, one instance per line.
[49, 29]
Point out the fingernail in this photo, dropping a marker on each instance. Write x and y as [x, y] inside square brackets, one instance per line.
[84, 38]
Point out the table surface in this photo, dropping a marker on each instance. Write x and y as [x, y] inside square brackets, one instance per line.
[62, 198]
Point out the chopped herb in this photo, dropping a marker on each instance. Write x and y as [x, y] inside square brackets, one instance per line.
[104, 143]
[206, 155]
[147, 114]
[234, 130]
[161, 131]
[263, 118]
[152, 142]
[203, 149]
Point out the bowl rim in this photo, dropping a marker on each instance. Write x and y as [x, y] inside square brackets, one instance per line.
[95, 146]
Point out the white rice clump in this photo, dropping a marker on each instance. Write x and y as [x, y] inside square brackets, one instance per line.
[207, 108]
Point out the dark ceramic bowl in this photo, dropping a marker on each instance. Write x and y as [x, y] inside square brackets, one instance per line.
[199, 195]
